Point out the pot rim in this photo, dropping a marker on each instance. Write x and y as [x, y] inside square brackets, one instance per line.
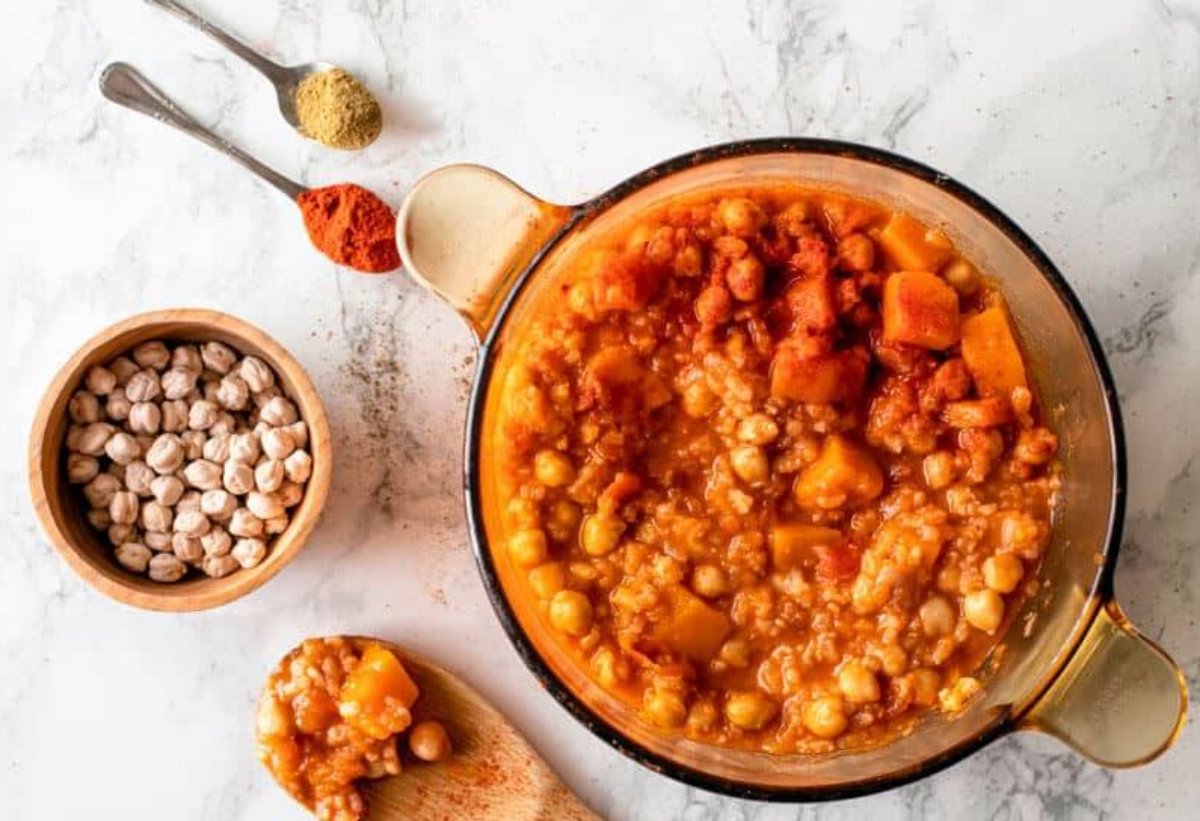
[1003, 723]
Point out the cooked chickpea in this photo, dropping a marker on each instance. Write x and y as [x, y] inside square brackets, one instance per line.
[894, 661]
[600, 534]
[858, 684]
[571, 612]
[1003, 572]
[547, 579]
[758, 429]
[925, 685]
[741, 216]
[522, 512]
[736, 653]
[429, 741]
[562, 520]
[750, 710]
[698, 400]
[710, 581]
[553, 469]
[961, 276]
[938, 468]
[610, 670]
[825, 717]
[528, 547]
[750, 463]
[984, 610]
[665, 707]
[937, 616]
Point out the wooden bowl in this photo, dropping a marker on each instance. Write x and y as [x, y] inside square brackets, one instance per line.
[62, 511]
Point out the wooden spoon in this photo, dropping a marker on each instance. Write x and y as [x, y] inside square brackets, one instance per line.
[492, 773]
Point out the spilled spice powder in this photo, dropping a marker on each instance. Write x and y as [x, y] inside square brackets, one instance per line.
[351, 226]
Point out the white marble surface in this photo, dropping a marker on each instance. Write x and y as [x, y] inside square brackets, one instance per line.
[1083, 124]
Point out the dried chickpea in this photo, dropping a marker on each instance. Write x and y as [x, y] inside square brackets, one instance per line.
[429, 741]
[118, 405]
[118, 534]
[264, 505]
[984, 610]
[203, 474]
[94, 437]
[268, 475]
[165, 567]
[249, 552]
[299, 432]
[233, 393]
[217, 356]
[290, 493]
[100, 491]
[278, 412]
[133, 556]
[217, 504]
[153, 355]
[275, 526]
[191, 523]
[749, 710]
[298, 466]
[190, 500]
[202, 415]
[123, 508]
[100, 380]
[83, 407]
[187, 357]
[158, 542]
[219, 567]
[277, 443]
[166, 454]
[571, 612]
[123, 368]
[174, 415]
[99, 519]
[1003, 572]
[237, 477]
[216, 542]
[166, 489]
[122, 448]
[81, 469]
[177, 383]
[187, 548]
[257, 375]
[143, 386]
[245, 523]
[244, 447]
[157, 516]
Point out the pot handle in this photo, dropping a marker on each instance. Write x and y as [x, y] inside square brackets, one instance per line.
[467, 232]
[1121, 701]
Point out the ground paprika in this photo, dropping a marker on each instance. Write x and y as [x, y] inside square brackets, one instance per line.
[351, 226]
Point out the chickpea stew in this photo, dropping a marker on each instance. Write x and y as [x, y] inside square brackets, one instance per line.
[770, 468]
[330, 714]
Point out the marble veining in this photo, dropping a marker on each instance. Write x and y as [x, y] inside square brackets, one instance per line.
[1081, 120]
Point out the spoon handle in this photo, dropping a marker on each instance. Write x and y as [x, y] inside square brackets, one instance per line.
[274, 72]
[125, 85]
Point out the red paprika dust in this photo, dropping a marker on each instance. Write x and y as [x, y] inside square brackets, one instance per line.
[351, 226]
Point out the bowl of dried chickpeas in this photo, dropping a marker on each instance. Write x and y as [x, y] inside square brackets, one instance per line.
[179, 459]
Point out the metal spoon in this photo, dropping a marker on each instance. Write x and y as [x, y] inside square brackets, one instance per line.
[284, 78]
[125, 85]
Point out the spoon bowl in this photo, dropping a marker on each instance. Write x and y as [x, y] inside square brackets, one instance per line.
[492, 772]
[287, 81]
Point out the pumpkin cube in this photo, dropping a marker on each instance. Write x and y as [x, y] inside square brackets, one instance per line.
[920, 309]
[377, 694]
[817, 380]
[990, 351]
[692, 628]
[844, 474]
[912, 246]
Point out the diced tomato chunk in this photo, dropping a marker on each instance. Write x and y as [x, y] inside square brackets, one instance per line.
[919, 308]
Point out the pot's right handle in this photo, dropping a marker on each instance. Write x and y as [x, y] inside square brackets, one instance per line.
[1121, 701]
[466, 233]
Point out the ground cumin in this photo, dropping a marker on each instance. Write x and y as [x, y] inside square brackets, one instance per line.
[335, 109]
[351, 226]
